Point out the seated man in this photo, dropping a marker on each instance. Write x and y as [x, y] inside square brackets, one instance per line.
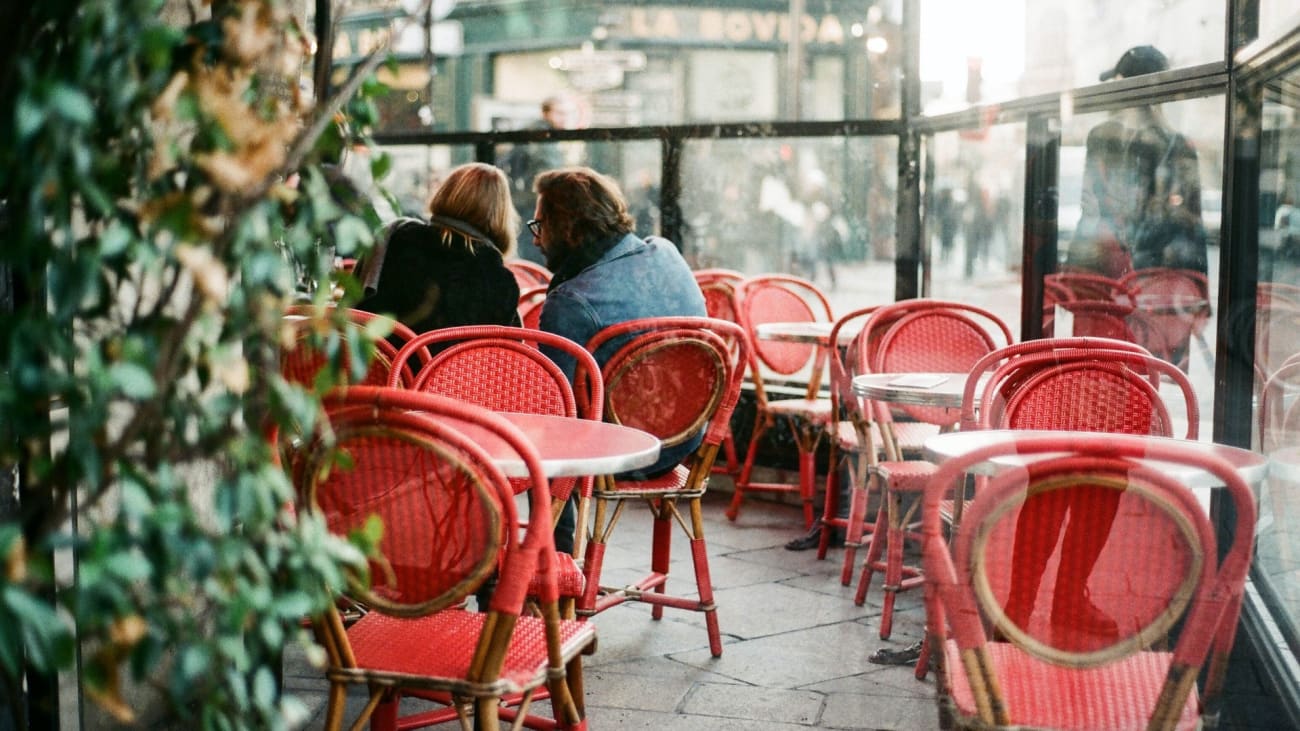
[604, 274]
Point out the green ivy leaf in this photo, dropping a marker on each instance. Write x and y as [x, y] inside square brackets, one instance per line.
[29, 116]
[45, 635]
[132, 380]
[72, 104]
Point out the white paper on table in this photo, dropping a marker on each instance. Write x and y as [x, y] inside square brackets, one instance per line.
[919, 380]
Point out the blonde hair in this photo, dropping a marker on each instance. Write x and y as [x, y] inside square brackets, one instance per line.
[479, 194]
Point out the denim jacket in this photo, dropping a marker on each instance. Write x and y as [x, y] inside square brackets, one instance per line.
[635, 278]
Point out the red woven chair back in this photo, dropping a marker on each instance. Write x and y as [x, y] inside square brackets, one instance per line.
[416, 462]
[501, 368]
[1112, 391]
[321, 335]
[780, 298]
[674, 376]
[719, 289]
[528, 274]
[935, 336]
[530, 306]
[1156, 568]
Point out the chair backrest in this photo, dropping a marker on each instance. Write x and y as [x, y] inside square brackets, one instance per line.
[985, 366]
[1006, 557]
[926, 335]
[675, 377]
[528, 274]
[417, 462]
[1081, 390]
[719, 289]
[501, 368]
[779, 298]
[530, 306]
[321, 334]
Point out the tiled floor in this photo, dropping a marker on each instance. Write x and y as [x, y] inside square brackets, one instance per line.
[795, 647]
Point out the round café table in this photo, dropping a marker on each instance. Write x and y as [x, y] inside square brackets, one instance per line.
[913, 389]
[813, 333]
[1252, 466]
[571, 447]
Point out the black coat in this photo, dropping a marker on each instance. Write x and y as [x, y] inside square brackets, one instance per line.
[438, 274]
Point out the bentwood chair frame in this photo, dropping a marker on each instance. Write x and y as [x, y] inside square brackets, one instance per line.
[675, 378]
[1049, 671]
[450, 521]
[908, 336]
[781, 298]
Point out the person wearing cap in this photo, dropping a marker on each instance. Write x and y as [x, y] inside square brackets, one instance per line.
[1141, 199]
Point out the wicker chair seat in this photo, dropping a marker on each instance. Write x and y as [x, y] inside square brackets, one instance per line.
[908, 476]
[673, 483]
[1117, 697]
[442, 644]
[568, 576]
[816, 411]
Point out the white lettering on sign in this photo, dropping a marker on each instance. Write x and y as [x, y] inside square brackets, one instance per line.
[731, 26]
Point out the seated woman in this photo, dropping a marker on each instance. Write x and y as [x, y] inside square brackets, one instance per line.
[448, 271]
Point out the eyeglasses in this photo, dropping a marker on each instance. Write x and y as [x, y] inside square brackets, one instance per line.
[535, 225]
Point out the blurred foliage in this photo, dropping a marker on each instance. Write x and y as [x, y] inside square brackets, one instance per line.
[165, 191]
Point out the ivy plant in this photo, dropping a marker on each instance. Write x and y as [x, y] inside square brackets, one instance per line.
[166, 190]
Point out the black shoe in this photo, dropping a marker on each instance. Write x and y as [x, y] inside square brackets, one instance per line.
[806, 542]
[813, 540]
[906, 656]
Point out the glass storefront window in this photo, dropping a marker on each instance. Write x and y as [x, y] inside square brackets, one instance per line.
[972, 219]
[1277, 349]
[1138, 207]
[821, 208]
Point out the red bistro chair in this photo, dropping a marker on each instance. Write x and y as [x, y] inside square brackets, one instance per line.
[1057, 668]
[675, 377]
[449, 522]
[772, 298]
[912, 336]
[500, 368]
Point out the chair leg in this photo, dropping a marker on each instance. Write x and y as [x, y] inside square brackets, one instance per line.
[879, 538]
[661, 551]
[703, 580]
[384, 717]
[859, 497]
[923, 660]
[761, 425]
[830, 503]
[485, 714]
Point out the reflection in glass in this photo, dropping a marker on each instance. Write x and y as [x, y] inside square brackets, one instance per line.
[817, 208]
[974, 205]
[1277, 351]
